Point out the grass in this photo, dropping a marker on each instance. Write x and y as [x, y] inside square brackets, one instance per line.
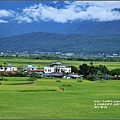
[20, 62]
[15, 82]
[43, 99]
[26, 88]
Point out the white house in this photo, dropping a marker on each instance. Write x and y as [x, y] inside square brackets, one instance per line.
[49, 70]
[66, 70]
[29, 67]
[9, 69]
[57, 67]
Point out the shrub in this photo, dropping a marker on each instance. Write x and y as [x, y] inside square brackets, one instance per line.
[58, 81]
[32, 79]
[61, 89]
[79, 81]
[66, 85]
[92, 78]
[39, 76]
[3, 79]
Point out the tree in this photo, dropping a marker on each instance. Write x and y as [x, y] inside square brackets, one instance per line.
[92, 70]
[74, 69]
[4, 64]
[1, 74]
[92, 73]
[84, 70]
[91, 63]
[103, 70]
[115, 72]
[3, 70]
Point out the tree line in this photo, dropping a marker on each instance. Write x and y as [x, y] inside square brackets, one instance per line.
[92, 72]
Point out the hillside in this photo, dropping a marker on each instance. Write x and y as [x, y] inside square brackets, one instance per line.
[98, 28]
[76, 27]
[51, 42]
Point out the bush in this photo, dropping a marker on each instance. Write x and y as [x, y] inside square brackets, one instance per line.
[45, 77]
[58, 81]
[39, 76]
[66, 85]
[92, 78]
[32, 79]
[3, 79]
[61, 89]
[79, 81]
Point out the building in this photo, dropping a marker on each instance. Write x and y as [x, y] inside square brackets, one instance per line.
[57, 67]
[9, 68]
[29, 67]
[58, 75]
[49, 70]
[38, 72]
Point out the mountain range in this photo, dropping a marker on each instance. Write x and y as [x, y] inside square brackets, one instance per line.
[81, 27]
[77, 27]
[65, 43]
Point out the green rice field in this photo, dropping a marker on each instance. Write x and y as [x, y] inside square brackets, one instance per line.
[20, 62]
[57, 98]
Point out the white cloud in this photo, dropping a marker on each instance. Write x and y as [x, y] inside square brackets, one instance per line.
[22, 19]
[106, 4]
[3, 21]
[5, 13]
[85, 10]
[101, 14]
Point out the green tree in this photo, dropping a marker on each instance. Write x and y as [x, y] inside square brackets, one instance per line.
[1, 74]
[32, 76]
[92, 70]
[92, 73]
[103, 70]
[74, 69]
[91, 63]
[84, 69]
[115, 72]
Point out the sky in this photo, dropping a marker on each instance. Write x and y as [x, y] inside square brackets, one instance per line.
[60, 12]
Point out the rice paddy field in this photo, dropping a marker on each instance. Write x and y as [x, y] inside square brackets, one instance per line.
[19, 62]
[57, 98]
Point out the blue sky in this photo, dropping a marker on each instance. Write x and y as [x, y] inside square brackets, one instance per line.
[60, 12]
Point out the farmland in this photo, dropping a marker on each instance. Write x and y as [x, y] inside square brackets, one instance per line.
[19, 62]
[43, 99]
[48, 98]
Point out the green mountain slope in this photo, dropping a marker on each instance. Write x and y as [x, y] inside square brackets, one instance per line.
[51, 42]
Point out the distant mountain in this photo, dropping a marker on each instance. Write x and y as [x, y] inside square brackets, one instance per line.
[77, 27]
[54, 42]
[63, 17]
[98, 28]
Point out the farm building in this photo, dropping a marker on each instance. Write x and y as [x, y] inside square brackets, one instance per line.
[49, 70]
[38, 72]
[58, 75]
[29, 67]
[8, 69]
[57, 67]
